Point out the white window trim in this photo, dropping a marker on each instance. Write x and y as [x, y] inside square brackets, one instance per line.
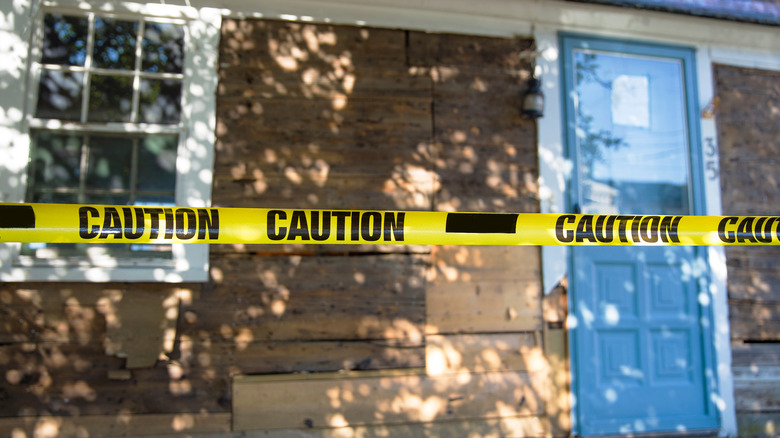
[195, 155]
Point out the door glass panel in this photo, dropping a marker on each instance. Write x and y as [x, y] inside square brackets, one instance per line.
[631, 134]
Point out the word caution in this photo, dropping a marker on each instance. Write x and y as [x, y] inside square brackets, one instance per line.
[73, 223]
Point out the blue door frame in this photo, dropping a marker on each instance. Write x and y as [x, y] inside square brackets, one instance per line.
[627, 378]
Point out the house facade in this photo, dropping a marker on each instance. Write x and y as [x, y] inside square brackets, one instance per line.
[656, 108]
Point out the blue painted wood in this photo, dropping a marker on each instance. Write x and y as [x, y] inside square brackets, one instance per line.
[641, 345]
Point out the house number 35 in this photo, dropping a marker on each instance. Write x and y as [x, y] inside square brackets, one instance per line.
[711, 153]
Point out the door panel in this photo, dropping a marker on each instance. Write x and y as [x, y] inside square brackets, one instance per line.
[641, 345]
[640, 357]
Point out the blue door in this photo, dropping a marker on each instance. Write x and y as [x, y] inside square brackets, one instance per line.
[641, 342]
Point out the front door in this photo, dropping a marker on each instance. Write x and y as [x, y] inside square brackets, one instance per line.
[641, 344]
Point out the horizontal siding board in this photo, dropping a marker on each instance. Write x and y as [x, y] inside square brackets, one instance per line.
[757, 396]
[755, 355]
[756, 321]
[317, 356]
[398, 399]
[446, 354]
[286, 298]
[107, 426]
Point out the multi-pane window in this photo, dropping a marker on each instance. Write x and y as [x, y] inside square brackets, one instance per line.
[107, 117]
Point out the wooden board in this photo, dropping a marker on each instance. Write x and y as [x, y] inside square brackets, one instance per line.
[289, 298]
[752, 320]
[218, 426]
[755, 355]
[757, 395]
[313, 356]
[484, 290]
[117, 425]
[758, 424]
[358, 399]
[525, 426]
[478, 353]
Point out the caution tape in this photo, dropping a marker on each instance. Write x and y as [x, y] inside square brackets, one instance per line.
[69, 223]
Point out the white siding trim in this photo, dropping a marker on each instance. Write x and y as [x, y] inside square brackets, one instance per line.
[554, 166]
[716, 256]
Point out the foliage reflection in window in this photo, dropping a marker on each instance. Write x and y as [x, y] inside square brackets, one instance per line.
[107, 118]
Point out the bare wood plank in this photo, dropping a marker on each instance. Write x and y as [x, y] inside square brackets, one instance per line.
[290, 47]
[479, 262]
[752, 424]
[483, 289]
[756, 373]
[117, 425]
[446, 354]
[314, 298]
[758, 285]
[408, 189]
[758, 354]
[752, 320]
[483, 306]
[287, 357]
[528, 426]
[468, 52]
[358, 401]
[757, 396]
[77, 380]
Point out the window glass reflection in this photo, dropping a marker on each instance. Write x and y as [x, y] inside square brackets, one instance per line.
[64, 40]
[56, 159]
[110, 161]
[163, 48]
[160, 101]
[157, 163]
[631, 134]
[110, 98]
[59, 95]
[115, 44]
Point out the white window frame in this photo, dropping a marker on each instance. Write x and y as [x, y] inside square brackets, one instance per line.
[195, 154]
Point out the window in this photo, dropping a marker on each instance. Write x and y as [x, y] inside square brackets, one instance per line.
[120, 110]
[104, 84]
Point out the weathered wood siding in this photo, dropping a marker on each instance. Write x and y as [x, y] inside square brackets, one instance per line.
[327, 340]
[748, 121]
[345, 117]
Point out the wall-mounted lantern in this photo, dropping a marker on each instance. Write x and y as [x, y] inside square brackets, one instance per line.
[533, 99]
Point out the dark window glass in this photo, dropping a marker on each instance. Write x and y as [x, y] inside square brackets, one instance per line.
[163, 48]
[160, 101]
[64, 40]
[157, 163]
[56, 159]
[115, 44]
[59, 95]
[110, 163]
[110, 98]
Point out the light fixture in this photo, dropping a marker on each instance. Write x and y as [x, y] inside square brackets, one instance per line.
[533, 99]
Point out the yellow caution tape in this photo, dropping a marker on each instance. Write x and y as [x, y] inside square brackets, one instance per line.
[70, 223]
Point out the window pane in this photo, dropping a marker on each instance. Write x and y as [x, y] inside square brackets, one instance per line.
[163, 48]
[64, 39]
[160, 101]
[157, 163]
[110, 162]
[56, 160]
[59, 95]
[110, 98]
[632, 134]
[115, 44]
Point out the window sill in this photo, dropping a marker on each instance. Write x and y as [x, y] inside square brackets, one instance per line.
[189, 264]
